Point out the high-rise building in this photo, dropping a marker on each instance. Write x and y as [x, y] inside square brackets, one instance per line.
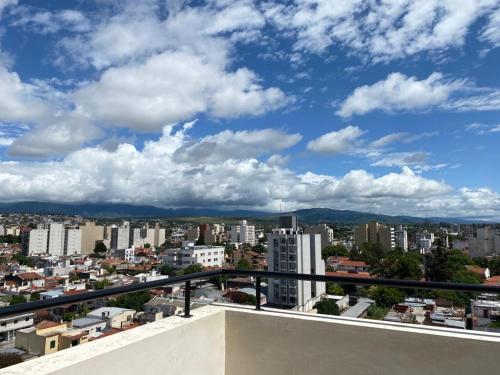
[424, 241]
[243, 233]
[2, 230]
[485, 243]
[401, 238]
[73, 241]
[290, 250]
[374, 232]
[56, 239]
[324, 231]
[38, 241]
[91, 233]
[120, 237]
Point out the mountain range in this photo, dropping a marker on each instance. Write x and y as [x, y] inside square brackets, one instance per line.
[309, 216]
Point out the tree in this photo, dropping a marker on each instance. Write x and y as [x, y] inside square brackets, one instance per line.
[243, 264]
[9, 359]
[377, 312]
[101, 284]
[334, 289]
[200, 241]
[446, 263]
[193, 268]
[23, 260]
[166, 269]
[16, 299]
[229, 250]
[327, 306]
[385, 297]
[100, 248]
[372, 254]
[9, 238]
[398, 264]
[133, 301]
[259, 248]
[334, 250]
[147, 246]
[35, 296]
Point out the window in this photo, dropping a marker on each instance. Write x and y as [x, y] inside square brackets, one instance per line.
[52, 344]
[27, 319]
[4, 324]
[74, 343]
[15, 321]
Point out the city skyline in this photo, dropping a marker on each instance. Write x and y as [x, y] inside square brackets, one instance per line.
[253, 105]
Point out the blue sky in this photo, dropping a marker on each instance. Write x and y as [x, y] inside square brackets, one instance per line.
[382, 106]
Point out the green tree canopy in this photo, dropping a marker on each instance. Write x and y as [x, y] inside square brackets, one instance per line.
[398, 264]
[327, 306]
[100, 248]
[334, 289]
[259, 248]
[386, 297]
[166, 269]
[193, 268]
[147, 246]
[134, 301]
[16, 299]
[243, 264]
[334, 250]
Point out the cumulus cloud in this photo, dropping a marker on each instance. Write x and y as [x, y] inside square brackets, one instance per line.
[399, 92]
[337, 142]
[240, 145]
[382, 31]
[174, 86]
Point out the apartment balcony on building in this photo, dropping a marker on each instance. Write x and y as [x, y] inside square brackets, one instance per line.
[229, 339]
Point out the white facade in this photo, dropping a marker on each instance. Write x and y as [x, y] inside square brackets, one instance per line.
[38, 241]
[292, 251]
[424, 241]
[9, 325]
[123, 236]
[137, 239]
[73, 241]
[56, 239]
[401, 238]
[207, 256]
[243, 233]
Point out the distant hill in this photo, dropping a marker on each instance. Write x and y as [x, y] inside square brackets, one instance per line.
[309, 216]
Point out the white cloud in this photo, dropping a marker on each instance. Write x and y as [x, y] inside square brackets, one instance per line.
[381, 31]
[402, 137]
[46, 22]
[174, 86]
[337, 142]
[491, 32]
[482, 129]
[5, 3]
[489, 100]
[399, 92]
[237, 145]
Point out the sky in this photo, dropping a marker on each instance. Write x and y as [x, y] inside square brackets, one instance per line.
[385, 106]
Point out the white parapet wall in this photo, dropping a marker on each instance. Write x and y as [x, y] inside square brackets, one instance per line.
[220, 340]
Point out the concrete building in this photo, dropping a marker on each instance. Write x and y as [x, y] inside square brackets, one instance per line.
[2, 230]
[424, 241]
[38, 241]
[10, 325]
[206, 255]
[120, 237]
[137, 237]
[155, 236]
[91, 233]
[73, 241]
[486, 242]
[324, 231]
[56, 239]
[374, 232]
[115, 317]
[290, 250]
[243, 233]
[401, 238]
[192, 234]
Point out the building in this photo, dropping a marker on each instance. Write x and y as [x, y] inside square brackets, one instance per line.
[290, 250]
[92, 326]
[424, 241]
[73, 241]
[56, 239]
[120, 237]
[374, 233]
[243, 233]
[91, 233]
[324, 231]
[206, 255]
[49, 337]
[192, 234]
[155, 236]
[38, 241]
[486, 242]
[10, 324]
[401, 238]
[115, 317]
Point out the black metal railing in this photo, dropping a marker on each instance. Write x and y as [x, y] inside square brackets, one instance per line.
[258, 275]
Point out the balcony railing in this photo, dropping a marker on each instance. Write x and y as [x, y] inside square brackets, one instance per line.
[258, 275]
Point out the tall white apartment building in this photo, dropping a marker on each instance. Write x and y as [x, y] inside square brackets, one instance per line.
[424, 241]
[73, 241]
[401, 238]
[207, 256]
[38, 241]
[155, 236]
[56, 239]
[120, 237]
[91, 233]
[374, 232]
[243, 233]
[137, 239]
[290, 250]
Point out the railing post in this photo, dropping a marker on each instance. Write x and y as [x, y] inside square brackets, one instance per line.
[187, 300]
[257, 293]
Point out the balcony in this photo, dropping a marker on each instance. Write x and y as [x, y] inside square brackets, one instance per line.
[231, 339]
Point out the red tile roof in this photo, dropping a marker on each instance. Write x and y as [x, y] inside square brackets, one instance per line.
[47, 324]
[30, 276]
[364, 275]
[494, 280]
